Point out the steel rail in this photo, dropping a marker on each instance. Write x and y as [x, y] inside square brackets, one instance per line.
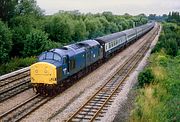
[14, 78]
[20, 111]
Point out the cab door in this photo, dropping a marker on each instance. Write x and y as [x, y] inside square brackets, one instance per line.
[88, 57]
[65, 69]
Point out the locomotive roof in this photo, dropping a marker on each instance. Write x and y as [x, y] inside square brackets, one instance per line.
[91, 43]
[76, 48]
[109, 38]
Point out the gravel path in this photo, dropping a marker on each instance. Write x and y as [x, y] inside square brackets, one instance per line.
[59, 108]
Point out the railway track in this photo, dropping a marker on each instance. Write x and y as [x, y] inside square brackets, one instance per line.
[98, 104]
[14, 84]
[22, 110]
[13, 78]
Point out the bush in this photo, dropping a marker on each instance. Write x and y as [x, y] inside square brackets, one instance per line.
[5, 42]
[145, 77]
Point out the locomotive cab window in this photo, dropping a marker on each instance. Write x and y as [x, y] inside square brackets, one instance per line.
[49, 55]
[57, 57]
[42, 57]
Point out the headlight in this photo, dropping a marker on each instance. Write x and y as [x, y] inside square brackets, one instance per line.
[36, 71]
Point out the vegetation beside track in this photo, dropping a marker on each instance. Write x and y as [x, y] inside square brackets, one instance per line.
[158, 98]
[15, 64]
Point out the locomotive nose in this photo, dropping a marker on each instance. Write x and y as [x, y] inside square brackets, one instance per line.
[43, 73]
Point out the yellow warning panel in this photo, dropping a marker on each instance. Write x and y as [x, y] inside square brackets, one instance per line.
[43, 72]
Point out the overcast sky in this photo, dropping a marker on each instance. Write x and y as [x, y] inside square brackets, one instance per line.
[120, 7]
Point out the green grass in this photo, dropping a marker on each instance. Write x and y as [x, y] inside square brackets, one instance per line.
[15, 64]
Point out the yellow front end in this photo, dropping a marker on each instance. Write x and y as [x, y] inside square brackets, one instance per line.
[43, 73]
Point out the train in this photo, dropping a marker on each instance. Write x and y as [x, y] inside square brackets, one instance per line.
[58, 67]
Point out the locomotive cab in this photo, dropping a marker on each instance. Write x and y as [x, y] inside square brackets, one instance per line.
[46, 73]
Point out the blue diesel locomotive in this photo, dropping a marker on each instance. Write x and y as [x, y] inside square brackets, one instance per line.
[58, 67]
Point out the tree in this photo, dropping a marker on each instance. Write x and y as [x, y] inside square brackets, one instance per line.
[113, 27]
[21, 26]
[109, 16]
[5, 42]
[36, 42]
[60, 28]
[28, 7]
[7, 9]
[79, 31]
[105, 24]
[94, 27]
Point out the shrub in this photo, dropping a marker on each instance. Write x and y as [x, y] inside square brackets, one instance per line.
[145, 77]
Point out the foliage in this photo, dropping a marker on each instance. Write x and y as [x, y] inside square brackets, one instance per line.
[7, 9]
[15, 64]
[28, 7]
[36, 40]
[79, 31]
[5, 42]
[171, 46]
[94, 27]
[60, 29]
[21, 26]
[169, 39]
[145, 77]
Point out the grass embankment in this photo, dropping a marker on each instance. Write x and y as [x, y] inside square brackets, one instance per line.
[158, 97]
[15, 64]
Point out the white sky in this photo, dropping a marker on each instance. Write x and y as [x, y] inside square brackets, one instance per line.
[132, 7]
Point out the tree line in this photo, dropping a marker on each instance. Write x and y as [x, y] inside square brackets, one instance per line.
[171, 17]
[26, 31]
